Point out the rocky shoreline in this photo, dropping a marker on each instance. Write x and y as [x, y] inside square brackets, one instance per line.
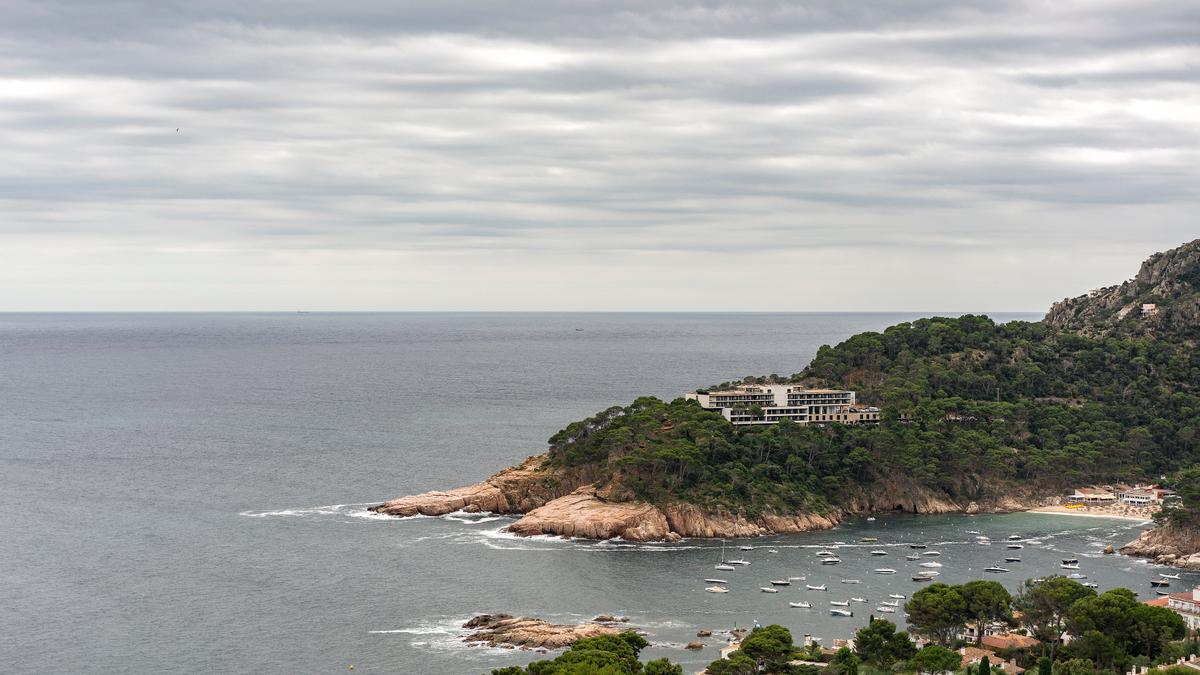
[1168, 545]
[505, 630]
[568, 503]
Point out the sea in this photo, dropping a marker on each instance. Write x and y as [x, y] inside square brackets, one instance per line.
[185, 493]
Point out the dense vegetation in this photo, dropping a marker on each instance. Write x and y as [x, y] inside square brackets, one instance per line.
[970, 408]
[603, 655]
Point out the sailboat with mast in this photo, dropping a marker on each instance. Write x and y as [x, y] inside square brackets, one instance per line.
[721, 564]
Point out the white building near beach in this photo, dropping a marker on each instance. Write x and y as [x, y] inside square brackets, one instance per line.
[770, 403]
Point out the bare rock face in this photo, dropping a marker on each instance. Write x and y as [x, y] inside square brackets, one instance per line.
[1168, 545]
[584, 514]
[514, 490]
[505, 630]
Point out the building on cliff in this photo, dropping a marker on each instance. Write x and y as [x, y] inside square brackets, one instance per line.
[770, 403]
[1186, 605]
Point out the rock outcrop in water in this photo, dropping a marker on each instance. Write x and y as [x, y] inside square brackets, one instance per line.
[1168, 545]
[505, 630]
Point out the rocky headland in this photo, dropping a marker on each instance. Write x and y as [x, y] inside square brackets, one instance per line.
[505, 630]
[1168, 545]
[567, 503]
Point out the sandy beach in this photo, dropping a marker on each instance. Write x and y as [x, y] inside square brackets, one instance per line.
[1117, 513]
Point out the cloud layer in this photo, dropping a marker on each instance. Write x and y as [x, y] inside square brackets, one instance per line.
[709, 155]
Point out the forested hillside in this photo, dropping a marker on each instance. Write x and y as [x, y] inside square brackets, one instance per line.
[971, 408]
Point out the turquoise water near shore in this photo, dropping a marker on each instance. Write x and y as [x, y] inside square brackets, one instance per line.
[188, 492]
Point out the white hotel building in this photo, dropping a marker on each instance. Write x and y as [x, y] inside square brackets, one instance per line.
[769, 403]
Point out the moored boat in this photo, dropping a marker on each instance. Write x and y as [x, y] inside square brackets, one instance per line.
[780, 582]
[768, 589]
[995, 569]
[884, 570]
[717, 589]
[801, 605]
[815, 588]
[885, 609]
[838, 611]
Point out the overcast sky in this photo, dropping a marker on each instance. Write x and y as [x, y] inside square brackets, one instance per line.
[606, 155]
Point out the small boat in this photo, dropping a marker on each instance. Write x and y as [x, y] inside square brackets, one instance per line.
[837, 611]
[878, 552]
[931, 563]
[996, 569]
[723, 566]
[869, 540]
[1090, 584]
[932, 553]
[1012, 559]
[858, 599]
[921, 577]
[739, 561]
[885, 609]
[780, 582]
[768, 589]
[890, 604]
[1163, 583]
[840, 603]
[1069, 566]
[884, 570]
[801, 605]
[972, 531]
[745, 548]
[825, 552]
[917, 546]
[870, 519]
[929, 573]
[1169, 576]
[1076, 575]
[772, 550]
[815, 588]
[898, 596]
[851, 581]
[797, 578]
[1014, 546]
[1070, 561]
[717, 589]
[912, 557]
[1014, 537]
[1159, 592]
[716, 581]
[830, 561]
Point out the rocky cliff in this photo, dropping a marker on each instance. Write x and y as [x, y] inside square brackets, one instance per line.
[504, 630]
[1170, 281]
[1168, 545]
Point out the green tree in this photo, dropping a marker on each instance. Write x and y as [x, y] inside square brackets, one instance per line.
[1074, 667]
[769, 646]
[1045, 666]
[737, 664]
[937, 612]
[662, 667]
[935, 659]
[986, 601]
[600, 655]
[985, 666]
[1044, 604]
[879, 644]
[845, 662]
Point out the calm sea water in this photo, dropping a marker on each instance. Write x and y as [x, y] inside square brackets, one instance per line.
[183, 493]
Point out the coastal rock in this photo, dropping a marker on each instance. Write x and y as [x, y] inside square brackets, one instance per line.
[694, 646]
[606, 618]
[704, 633]
[1168, 545]
[1109, 550]
[514, 490]
[505, 630]
[584, 514]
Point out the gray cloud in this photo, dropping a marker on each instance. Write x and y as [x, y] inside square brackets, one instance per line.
[606, 155]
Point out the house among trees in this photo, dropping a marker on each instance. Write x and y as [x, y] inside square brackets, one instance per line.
[1092, 495]
[769, 403]
[1186, 605]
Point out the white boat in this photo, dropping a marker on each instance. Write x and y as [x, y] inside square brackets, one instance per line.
[717, 589]
[1011, 559]
[768, 589]
[797, 578]
[885, 609]
[716, 581]
[898, 596]
[830, 561]
[858, 599]
[815, 588]
[825, 552]
[851, 581]
[723, 566]
[1014, 537]
[746, 548]
[996, 569]
[739, 561]
[922, 577]
[932, 553]
[870, 519]
[931, 563]
[1169, 576]
[1090, 584]
[884, 570]
[890, 604]
[1070, 561]
[1069, 566]
[1156, 582]
[801, 605]
[1014, 546]
[878, 552]
[838, 611]
[912, 557]
[972, 531]
[772, 550]
[1076, 575]
[840, 603]
[780, 582]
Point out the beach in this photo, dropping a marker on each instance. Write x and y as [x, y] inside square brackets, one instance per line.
[1112, 512]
